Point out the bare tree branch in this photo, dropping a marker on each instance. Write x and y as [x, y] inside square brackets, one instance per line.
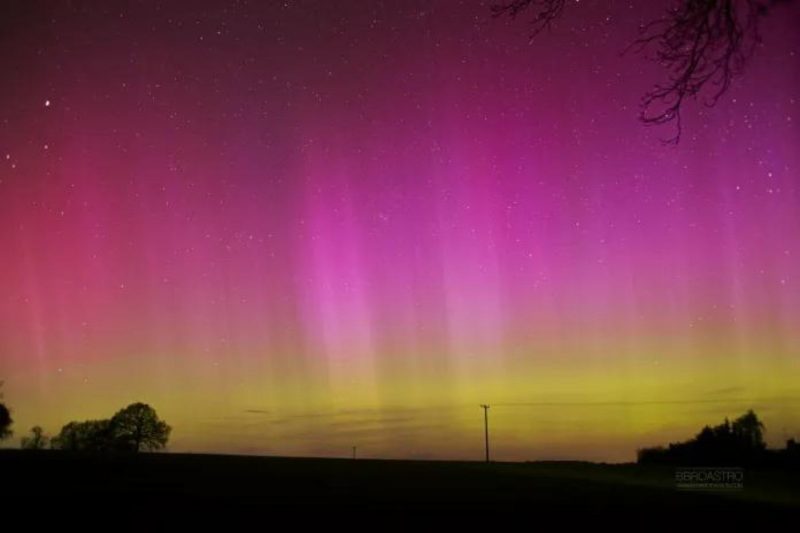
[702, 44]
[545, 12]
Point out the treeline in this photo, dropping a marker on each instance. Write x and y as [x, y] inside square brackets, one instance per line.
[132, 429]
[736, 443]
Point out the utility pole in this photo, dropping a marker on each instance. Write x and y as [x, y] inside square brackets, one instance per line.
[486, 428]
[354, 452]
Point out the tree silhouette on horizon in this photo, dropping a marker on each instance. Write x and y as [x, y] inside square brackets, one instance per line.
[138, 427]
[36, 441]
[740, 441]
[5, 419]
[132, 429]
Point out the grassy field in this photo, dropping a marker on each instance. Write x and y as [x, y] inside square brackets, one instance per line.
[184, 485]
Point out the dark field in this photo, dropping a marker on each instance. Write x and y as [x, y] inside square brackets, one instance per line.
[189, 487]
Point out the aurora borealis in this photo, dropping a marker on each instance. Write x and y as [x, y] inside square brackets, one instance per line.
[295, 227]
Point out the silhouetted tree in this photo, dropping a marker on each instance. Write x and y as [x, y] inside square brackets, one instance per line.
[36, 441]
[789, 456]
[749, 430]
[5, 422]
[701, 43]
[87, 436]
[67, 438]
[5, 419]
[137, 427]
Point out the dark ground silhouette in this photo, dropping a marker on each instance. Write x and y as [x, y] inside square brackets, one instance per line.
[197, 487]
[89, 469]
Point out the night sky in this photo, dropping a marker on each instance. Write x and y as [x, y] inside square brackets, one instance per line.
[294, 227]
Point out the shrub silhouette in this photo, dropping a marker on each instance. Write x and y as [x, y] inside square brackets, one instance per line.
[36, 441]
